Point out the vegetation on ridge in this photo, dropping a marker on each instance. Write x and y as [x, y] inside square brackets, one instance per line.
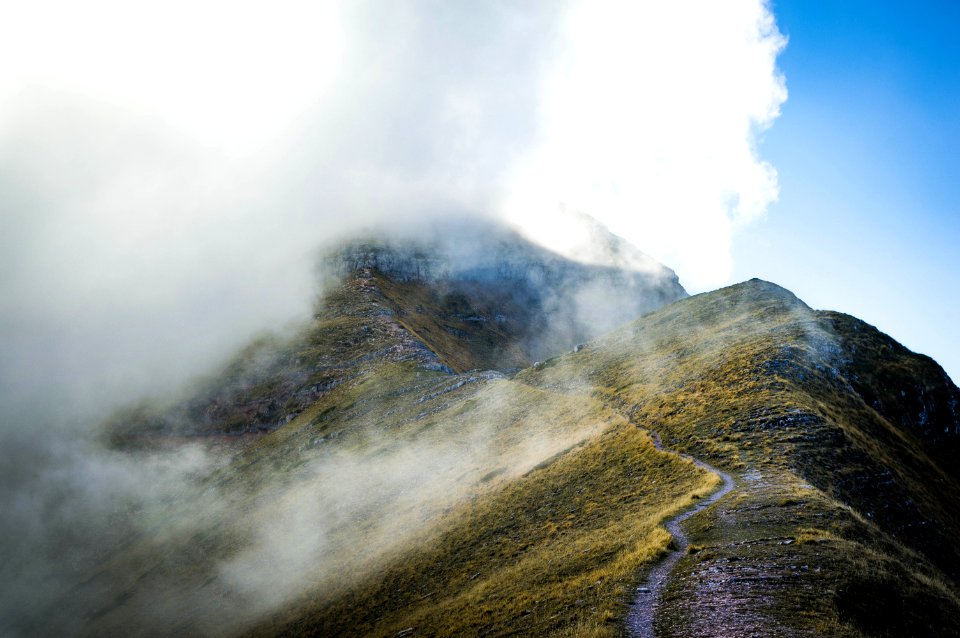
[845, 503]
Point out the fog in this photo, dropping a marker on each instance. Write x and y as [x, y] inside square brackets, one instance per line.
[169, 172]
[126, 233]
[161, 204]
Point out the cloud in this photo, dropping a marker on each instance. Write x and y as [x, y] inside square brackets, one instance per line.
[168, 170]
[651, 118]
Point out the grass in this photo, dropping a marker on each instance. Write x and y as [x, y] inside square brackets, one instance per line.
[537, 504]
[553, 552]
[544, 499]
[754, 381]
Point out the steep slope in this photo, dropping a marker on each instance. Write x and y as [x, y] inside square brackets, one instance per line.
[844, 488]
[414, 497]
[448, 479]
[841, 523]
[467, 295]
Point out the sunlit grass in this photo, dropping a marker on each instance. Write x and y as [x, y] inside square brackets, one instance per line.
[557, 549]
[533, 505]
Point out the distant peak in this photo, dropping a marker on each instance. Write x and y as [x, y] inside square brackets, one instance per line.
[581, 237]
[475, 248]
[760, 289]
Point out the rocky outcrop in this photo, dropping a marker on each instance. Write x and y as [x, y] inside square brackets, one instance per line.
[564, 301]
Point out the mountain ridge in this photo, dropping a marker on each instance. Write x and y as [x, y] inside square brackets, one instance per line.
[530, 500]
[805, 507]
[453, 300]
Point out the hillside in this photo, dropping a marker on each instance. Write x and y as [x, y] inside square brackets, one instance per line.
[462, 295]
[841, 521]
[407, 479]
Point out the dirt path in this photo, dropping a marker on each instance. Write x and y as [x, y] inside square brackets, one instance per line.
[644, 608]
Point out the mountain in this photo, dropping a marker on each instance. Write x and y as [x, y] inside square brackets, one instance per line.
[470, 438]
[453, 296]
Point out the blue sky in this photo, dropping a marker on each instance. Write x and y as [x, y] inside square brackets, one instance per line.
[868, 153]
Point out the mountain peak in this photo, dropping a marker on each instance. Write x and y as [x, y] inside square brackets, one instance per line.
[485, 272]
[760, 289]
[451, 296]
[477, 248]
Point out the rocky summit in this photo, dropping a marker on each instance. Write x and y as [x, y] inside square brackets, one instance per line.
[476, 436]
[456, 296]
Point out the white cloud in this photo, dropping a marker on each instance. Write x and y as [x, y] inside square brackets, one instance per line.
[166, 168]
[651, 117]
[230, 74]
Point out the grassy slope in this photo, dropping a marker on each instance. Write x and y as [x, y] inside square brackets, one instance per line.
[562, 483]
[751, 379]
[842, 522]
[501, 472]
[460, 326]
[554, 552]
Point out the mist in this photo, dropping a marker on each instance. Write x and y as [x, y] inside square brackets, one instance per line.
[126, 233]
[168, 175]
[153, 219]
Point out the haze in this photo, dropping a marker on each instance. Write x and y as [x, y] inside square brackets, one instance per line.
[168, 169]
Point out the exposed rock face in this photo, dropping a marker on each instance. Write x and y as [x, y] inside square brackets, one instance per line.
[566, 301]
[475, 250]
[921, 397]
[461, 296]
[400, 263]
